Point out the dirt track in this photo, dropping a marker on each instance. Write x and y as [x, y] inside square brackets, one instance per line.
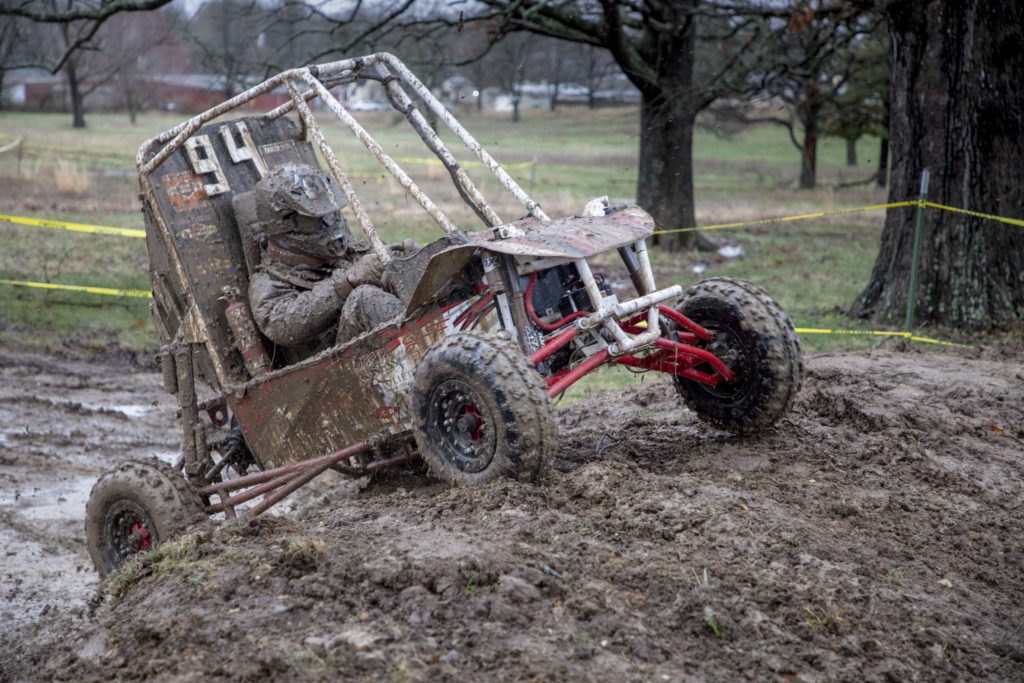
[876, 535]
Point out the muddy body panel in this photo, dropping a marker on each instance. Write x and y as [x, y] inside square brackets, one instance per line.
[348, 394]
[572, 237]
[536, 245]
[193, 192]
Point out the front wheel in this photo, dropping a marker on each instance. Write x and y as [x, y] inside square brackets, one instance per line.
[481, 411]
[133, 507]
[755, 339]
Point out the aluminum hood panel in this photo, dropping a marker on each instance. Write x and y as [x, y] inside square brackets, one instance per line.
[569, 238]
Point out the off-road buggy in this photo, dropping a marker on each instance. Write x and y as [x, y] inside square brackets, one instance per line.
[497, 322]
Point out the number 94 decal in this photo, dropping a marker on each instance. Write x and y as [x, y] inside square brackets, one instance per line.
[203, 157]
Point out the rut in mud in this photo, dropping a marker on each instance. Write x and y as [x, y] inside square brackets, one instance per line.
[876, 534]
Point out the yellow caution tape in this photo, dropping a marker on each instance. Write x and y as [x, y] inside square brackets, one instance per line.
[464, 164]
[878, 333]
[800, 217]
[977, 214]
[107, 291]
[104, 291]
[841, 212]
[73, 227]
[870, 333]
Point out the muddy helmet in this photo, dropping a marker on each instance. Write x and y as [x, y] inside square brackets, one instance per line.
[301, 205]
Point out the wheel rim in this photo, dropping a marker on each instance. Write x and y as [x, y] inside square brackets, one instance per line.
[729, 348]
[127, 529]
[459, 422]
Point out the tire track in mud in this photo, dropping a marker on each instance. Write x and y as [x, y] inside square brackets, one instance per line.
[62, 422]
[875, 534]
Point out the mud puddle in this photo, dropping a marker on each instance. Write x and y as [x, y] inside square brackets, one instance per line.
[62, 423]
[874, 535]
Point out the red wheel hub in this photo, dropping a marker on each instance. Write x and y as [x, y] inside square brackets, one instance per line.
[471, 422]
[145, 539]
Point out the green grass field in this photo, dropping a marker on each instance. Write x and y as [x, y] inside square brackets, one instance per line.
[814, 268]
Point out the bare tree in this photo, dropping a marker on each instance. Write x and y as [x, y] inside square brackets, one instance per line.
[228, 35]
[129, 42]
[87, 15]
[14, 36]
[112, 59]
[555, 62]
[512, 61]
[72, 77]
[654, 43]
[861, 108]
[815, 56]
[594, 67]
[67, 36]
[326, 33]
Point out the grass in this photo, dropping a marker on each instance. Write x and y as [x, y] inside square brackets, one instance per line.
[814, 268]
[48, 319]
[712, 622]
[303, 551]
[895, 577]
[71, 177]
[171, 557]
[823, 618]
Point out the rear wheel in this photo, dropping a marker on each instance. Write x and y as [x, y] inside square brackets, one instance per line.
[755, 339]
[481, 411]
[135, 506]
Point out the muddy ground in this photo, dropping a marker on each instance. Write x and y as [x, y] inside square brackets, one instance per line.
[876, 534]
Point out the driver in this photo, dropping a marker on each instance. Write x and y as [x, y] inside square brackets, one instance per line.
[313, 276]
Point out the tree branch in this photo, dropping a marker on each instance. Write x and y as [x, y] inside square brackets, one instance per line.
[377, 27]
[101, 12]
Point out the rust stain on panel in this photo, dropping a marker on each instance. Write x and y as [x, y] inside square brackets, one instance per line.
[184, 190]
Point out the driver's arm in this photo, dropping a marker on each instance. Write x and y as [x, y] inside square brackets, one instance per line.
[290, 316]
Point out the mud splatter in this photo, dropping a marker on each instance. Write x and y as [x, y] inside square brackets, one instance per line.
[875, 535]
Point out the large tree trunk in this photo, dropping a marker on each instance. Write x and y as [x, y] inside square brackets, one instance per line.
[665, 182]
[133, 111]
[74, 87]
[809, 157]
[882, 176]
[75, 91]
[810, 112]
[667, 116]
[957, 99]
[851, 151]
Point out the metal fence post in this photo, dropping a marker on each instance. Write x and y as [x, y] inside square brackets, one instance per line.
[916, 254]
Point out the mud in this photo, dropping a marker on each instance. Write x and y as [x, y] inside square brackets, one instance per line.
[874, 535]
